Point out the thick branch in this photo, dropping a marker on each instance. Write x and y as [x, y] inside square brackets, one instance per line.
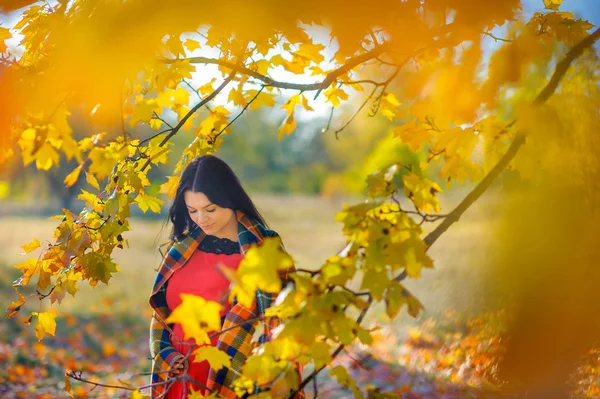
[331, 76]
[559, 72]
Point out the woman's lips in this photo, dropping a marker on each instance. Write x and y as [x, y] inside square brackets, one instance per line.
[206, 227]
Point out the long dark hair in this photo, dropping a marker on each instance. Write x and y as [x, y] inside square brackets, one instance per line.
[211, 176]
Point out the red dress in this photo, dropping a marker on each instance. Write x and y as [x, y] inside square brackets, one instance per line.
[200, 276]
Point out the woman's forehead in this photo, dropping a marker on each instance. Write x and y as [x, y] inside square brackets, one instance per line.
[196, 200]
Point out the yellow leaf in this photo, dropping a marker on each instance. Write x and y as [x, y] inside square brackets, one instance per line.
[260, 66]
[259, 270]
[91, 179]
[4, 34]
[14, 307]
[341, 375]
[305, 103]
[291, 103]
[46, 157]
[67, 387]
[195, 394]
[196, 316]
[28, 269]
[170, 187]
[415, 136]
[4, 188]
[422, 192]
[137, 394]
[287, 127]
[552, 4]
[191, 44]
[262, 368]
[90, 199]
[321, 353]
[296, 66]
[334, 95]
[73, 176]
[389, 103]
[71, 284]
[32, 246]
[181, 97]
[174, 45]
[311, 52]
[215, 357]
[143, 111]
[46, 323]
[236, 98]
[207, 89]
[263, 99]
[155, 123]
[146, 202]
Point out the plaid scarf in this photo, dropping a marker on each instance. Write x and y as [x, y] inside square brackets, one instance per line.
[236, 342]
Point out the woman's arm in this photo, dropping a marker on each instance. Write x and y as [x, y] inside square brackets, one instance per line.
[161, 347]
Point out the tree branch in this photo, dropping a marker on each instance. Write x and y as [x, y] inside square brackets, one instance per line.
[193, 110]
[559, 72]
[331, 76]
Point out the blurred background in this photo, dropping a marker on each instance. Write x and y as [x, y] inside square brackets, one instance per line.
[298, 184]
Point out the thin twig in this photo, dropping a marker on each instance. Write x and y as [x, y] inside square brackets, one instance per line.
[192, 111]
[356, 113]
[238, 115]
[161, 119]
[497, 38]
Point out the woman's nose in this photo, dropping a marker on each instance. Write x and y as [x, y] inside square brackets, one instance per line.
[201, 218]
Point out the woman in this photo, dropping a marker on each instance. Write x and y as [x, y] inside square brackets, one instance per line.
[214, 222]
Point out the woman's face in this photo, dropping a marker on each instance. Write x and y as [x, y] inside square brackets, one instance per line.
[211, 218]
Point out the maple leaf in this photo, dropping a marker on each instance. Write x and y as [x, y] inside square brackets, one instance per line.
[46, 323]
[146, 202]
[259, 269]
[4, 34]
[264, 99]
[170, 187]
[552, 4]
[343, 377]
[195, 394]
[334, 95]
[191, 44]
[15, 307]
[137, 394]
[236, 97]
[32, 246]
[28, 268]
[92, 181]
[196, 316]
[215, 357]
[422, 192]
[287, 126]
[72, 177]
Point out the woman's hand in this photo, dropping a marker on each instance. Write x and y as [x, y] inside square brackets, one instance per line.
[179, 367]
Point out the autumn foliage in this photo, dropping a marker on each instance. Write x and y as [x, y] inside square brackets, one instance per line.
[141, 72]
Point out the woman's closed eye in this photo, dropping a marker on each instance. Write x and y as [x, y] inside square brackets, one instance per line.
[211, 210]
